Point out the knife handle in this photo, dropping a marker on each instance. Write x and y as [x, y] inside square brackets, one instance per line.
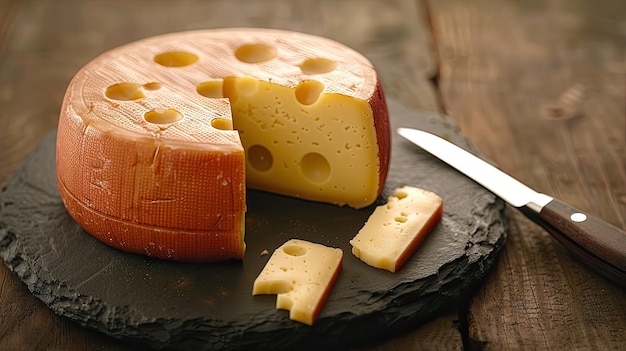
[599, 244]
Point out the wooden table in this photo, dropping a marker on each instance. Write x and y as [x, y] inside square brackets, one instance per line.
[539, 87]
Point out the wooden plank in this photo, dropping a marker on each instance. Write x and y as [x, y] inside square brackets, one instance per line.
[8, 10]
[8, 14]
[502, 64]
[439, 334]
[44, 43]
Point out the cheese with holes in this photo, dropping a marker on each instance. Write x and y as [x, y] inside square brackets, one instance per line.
[301, 274]
[158, 139]
[395, 230]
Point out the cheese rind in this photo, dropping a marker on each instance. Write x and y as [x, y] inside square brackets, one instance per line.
[395, 230]
[148, 196]
[162, 136]
[301, 274]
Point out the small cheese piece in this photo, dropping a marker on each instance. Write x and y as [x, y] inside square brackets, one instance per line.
[394, 231]
[301, 274]
[159, 139]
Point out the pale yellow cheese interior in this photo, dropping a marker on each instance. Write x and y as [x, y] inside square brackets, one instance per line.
[303, 142]
[301, 274]
[394, 230]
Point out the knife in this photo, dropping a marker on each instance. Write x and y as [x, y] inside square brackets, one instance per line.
[597, 243]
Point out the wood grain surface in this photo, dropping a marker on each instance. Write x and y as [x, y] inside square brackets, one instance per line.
[539, 87]
[501, 66]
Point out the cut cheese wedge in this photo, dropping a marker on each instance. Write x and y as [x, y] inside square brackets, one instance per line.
[159, 139]
[301, 274]
[395, 230]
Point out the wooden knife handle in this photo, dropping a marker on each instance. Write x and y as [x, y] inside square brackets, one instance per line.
[599, 244]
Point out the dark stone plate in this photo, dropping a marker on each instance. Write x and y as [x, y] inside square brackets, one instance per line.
[210, 306]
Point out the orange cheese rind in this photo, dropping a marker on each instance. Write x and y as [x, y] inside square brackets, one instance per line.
[158, 139]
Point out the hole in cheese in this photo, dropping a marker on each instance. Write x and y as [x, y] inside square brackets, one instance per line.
[255, 53]
[176, 58]
[167, 116]
[309, 91]
[247, 86]
[401, 219]
[317, 65]
[400, 194]
[152, 86]
[315, 167]
[210, 89]
[295, 250]
[222, 124]
[125, 92]
[260, 158]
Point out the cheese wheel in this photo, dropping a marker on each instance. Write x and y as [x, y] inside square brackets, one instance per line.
[158, 139]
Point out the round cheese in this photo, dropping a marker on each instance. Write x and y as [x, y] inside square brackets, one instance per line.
[158, 139]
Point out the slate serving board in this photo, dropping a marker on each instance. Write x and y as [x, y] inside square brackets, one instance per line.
[209, 306]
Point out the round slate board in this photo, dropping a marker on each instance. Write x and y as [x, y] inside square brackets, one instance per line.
[210, 306]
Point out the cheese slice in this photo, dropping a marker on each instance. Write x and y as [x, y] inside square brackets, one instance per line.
[159, 139]
[395, 230]
[301, 274]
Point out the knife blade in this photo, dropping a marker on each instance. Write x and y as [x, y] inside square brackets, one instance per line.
[597, 243]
